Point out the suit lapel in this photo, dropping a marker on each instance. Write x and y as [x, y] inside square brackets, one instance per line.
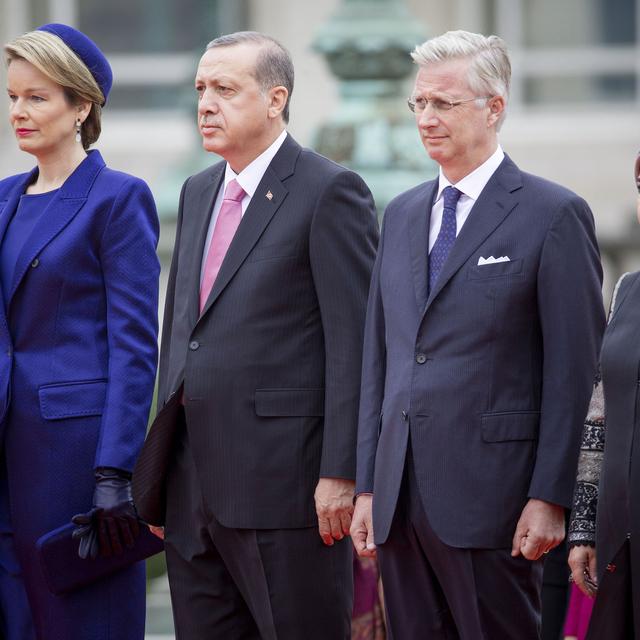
[620, 294]
[8, 208]
[496, 202]
[418, 229]
[60, 211]
[259, 213]
[205, 203]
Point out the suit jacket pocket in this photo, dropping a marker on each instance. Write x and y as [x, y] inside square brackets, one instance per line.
[496, 270]
[72, 399]
[272, 251]
[505, 426]
[272, 403]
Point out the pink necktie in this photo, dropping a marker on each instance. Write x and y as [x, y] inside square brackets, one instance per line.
[226, 226]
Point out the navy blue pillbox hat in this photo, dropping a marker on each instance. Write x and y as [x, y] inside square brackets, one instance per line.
[87, 50]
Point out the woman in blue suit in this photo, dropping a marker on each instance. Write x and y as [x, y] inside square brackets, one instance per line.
[78, 336]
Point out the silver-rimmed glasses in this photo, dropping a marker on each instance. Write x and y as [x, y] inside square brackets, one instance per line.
[419, 104]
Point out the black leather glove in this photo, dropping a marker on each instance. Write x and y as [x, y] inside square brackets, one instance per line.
[112, 523]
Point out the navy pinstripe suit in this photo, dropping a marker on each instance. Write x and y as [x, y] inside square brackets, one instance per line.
[483, 384]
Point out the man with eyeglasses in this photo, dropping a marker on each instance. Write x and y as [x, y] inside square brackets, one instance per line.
[483, 328]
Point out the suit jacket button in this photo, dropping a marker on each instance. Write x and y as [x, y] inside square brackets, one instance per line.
[405, 416]
[35, 263]
[421, 358]
[194, 345]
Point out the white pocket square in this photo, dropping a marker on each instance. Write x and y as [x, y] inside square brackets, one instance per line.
[492, 260]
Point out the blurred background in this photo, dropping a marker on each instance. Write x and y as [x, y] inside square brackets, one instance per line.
[573, 113]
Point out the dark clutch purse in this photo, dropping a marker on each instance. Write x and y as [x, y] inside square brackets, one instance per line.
[150, 471]
[64, 571]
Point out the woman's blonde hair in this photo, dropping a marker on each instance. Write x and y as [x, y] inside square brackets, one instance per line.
[52, 57]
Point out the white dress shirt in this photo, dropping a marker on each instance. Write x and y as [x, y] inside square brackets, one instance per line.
[249, 179]
[471, 187]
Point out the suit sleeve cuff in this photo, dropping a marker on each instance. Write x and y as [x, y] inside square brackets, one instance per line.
[362, 493]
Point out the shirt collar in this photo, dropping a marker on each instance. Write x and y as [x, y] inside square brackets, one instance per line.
[249, 178]
[473, 183]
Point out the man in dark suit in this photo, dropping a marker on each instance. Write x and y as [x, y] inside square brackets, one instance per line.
[483, 327]
[262, 336]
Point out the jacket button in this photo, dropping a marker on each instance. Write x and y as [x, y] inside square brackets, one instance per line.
[421, 358]
[405, 416]
[35, 263]
[194, 345]
[10, 352]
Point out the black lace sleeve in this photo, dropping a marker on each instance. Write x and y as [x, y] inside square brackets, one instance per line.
[582, 526]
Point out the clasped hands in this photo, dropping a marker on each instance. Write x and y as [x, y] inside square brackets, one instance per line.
[112, 524]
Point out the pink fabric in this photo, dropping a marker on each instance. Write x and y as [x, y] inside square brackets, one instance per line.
[367, 621]
[578, 614]
[226, 226]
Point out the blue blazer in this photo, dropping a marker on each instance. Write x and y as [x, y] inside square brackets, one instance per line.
[490, 375]
[78, 345]
[79, 334]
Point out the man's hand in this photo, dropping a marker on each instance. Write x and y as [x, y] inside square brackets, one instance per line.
[158, 532]
[540, 529]
[334, 506]
[362, 527]
[582, 560]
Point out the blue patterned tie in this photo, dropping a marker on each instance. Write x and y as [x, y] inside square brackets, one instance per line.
[446, 236]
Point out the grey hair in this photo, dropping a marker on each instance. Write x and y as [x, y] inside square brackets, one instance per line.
[489, 64]
[274, 67]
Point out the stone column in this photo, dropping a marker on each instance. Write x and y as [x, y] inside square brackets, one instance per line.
[366, 44]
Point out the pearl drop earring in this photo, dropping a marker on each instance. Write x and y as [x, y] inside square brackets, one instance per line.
[78, 125]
